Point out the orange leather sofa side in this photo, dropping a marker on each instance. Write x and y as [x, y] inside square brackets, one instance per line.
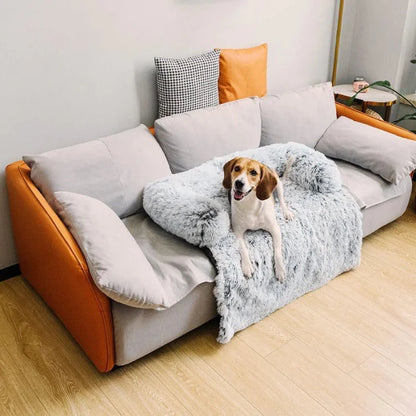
[54, 265]
[344, 110]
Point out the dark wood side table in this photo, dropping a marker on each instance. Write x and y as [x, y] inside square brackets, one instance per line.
[373, 97]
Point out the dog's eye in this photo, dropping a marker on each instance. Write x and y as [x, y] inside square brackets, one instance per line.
[237, 168]
[253, 172]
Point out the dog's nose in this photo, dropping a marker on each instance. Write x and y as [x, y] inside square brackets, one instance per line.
[238, 184]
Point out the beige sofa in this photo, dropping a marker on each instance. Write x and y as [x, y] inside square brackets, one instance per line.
[110, 332]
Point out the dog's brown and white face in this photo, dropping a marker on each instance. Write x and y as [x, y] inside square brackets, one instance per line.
[243, 175]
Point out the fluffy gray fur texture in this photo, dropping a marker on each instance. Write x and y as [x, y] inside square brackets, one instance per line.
[323, 241]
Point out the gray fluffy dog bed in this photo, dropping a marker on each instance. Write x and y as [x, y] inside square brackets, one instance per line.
[323, 241]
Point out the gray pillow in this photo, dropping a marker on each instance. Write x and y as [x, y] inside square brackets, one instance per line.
[192, 138]
[300, 116]
[185, 84]
[113, 169]
[385, 154]
[116, 263]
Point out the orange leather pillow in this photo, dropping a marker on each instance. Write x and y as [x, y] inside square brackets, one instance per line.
[243, 73]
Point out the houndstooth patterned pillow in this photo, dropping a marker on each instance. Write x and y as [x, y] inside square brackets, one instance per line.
[185, 84]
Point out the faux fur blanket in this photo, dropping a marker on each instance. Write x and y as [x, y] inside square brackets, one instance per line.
[322, 241]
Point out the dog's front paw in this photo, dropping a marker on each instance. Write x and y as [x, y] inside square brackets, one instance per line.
[280, 273]
[288, 214]
[247, 267]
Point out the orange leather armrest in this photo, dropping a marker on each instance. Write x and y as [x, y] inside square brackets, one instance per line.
[344, 110]
[54, 265]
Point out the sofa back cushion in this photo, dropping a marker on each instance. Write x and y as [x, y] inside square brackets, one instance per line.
[114, 169]
[191, 138]
[300, 116]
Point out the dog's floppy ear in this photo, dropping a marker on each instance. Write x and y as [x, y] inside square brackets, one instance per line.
[228, 168]
[268, 181]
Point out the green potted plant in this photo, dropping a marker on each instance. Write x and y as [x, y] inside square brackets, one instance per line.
[386, 84]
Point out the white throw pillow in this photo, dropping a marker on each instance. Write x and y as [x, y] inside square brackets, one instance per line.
[116, 262]
[114, 169]
[300, 116]
[191, 138]
[385, 154]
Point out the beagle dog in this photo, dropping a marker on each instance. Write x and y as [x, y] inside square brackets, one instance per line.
[251, 186]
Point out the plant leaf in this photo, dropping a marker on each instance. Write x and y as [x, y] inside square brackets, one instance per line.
[385, 84]
[410, 116]
[350, 101]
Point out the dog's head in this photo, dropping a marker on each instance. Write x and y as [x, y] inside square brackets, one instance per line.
[243, 175]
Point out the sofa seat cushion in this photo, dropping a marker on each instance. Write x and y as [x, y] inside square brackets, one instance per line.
[367, 188]
[385, 212]
[157, 277]
[179, 266]
[113, 169]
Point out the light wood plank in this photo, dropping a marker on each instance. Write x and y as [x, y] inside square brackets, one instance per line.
[14, 397]
[196, 384]
[49, 371]
[323, 336]
[265, 387]
[381, 255]
[382, 294]
[135, 389]
[389, 381]
[358, 321]
[266, 336]
[326, 383]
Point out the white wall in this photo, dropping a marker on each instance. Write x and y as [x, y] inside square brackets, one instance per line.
[406, 71]
[80, 69]
[371, 40]
[378, 40]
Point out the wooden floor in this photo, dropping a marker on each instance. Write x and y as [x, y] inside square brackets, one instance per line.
[346, 349]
